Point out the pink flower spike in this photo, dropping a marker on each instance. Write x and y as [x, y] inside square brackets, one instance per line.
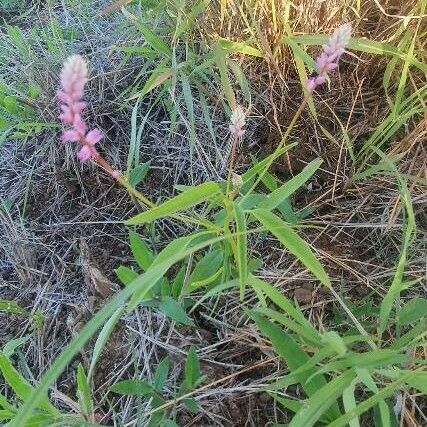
[319, 80]
[84, 153]
[66, 117]
[62, 96]
[79, 124]
[93, 137]
[78, 107]
[328, 60]
[311, 84]
[70, 136]
[73, 80]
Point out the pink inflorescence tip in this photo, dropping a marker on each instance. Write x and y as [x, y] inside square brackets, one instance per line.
[73, 81]
[328, 60]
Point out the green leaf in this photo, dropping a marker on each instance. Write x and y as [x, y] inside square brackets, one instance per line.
[279, 195]
[140, 251]
[10, 347]
[188, 98]
[259, 167]
[188, 198]
[156, 419]
[300, 53]
[173, 249]
[231, 46]
[21, 386]
[161, 374]
[363, 45]
[170, 423]
[293, 405]
[293, 243]
[298, 325]
[321, 400]
[335, 342]
[153, 40]
[125, 274]
[368, 403]
[83, 391]
[383, 412]
[159, 76]
[192, 370]
[133, 388]
[12, 307]
[225, 78]
[191, 405]
[11, 105]
[138, 173]
[241, 79]
[241, 247]
[303, 332]
[174, 311]
[214, 291]
[397, 286]
[349, 402]
[294, 356]
[418, 381]
[412, 311]
[102, 339]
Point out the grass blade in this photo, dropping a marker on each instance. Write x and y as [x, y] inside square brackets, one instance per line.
[185, 200]
[321, 400]
[295, 245]
[279, 195]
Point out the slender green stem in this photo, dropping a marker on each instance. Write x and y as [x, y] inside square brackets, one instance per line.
[279, 146]
[134, 192]
[143, 199]
[232, 160]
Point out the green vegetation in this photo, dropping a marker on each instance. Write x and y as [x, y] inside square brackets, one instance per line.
[259, 259]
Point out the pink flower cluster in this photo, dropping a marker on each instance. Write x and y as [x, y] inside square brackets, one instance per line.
[328, 59]
[73, 81]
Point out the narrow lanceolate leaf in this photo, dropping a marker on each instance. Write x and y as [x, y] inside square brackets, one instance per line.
[414, 310]
[192, 369]
[153, 40]
[369, 403]
[161, 374]
[396, 285]
[242, 247]
[102, 339]
[20, 385]
[349, 402]
[293, 242]
[324, 397]
[133, 388]
[418, 381]
[140, 251]
[295, 357]
[174, 311]
[284, 304]
[239, 47]
[274, 199]
[185, 200]
[83, 391]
